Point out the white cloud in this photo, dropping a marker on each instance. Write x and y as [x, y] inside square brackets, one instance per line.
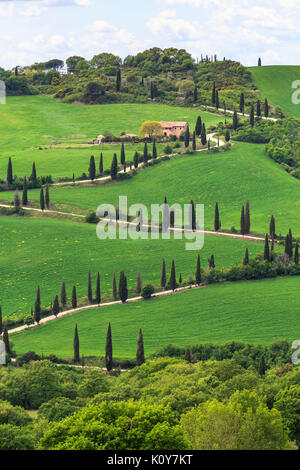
[167, 22]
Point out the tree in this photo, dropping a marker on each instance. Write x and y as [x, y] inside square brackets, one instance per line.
[108, 350]
[198, 128]
[72, 62]
[17, 199]
[203, 135]
[6, 342]
[42, 200]
[37, 306]
[140, 355]
[227, 136]
[94, 92]
[287, 402]
[90, 290]
[211, 262]
[187, 137]
[63, 295]
[192, 216]
[262, 366]
[163, 280]
[267, 249]
[55, 308]
[101, 164]
[123, 158]
[198, 271]
[246, 258]
[194, 141]
[217, 218]
[76, 346]
[115, 295]
[188, 357]
[173, 283]
[154, 150]
[217, 100]
[289, 244]
[266, 108]
[242, 103]
[272, 227]
[235, 120]
[146, 156]
[243, 228]
[247, 219]
[213, 95]
[259, 62]
[296, 257]
[9, 177]
[258, 108]
[47, 197]
[1, 321]
[252, 117]
[151, 129]
[139, 283]
[74, 298]
[123, 291]
[98, 290]
[92, 168]
[136, 160]
[114, 168]
[25, 193]
[118, 80]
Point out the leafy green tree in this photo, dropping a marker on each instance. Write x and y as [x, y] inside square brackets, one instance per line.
[114, 168]
[76, 357]
[98, 290]
[59, 408]
[108, 350]
[92, 168]
[140, 354]
[63, 295]
[198, 271]
[15, 438]
[74, 298]
[287, 402]
[42, 200]
[25, 193]
[9, 176]
[37, 306]
[148, 291]
[173, 283]
[14, 415]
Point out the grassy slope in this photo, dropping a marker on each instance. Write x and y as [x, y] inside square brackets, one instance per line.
[205, 179]
[257, 312]
[35, 251]
[275, 83]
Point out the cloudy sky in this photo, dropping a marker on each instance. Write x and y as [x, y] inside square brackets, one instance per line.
[38, 30]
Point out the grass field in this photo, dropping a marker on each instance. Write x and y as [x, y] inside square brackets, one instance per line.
[37, 251]
[256, 312]
[206, 179]
[275, 83]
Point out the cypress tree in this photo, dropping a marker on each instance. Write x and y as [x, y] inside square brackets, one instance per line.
[259, 62]
[17, 200]
[9, 177]
[145, 156]
[258, 109]
[136, 160]
[262, 366]
[92, 168]
[154, 150]
[173, 283]
[90, 290]
[139, 283]
[246, 258]
[1, 322]
[243, 229]
[247, 219]
[192, 216]
[151, 91]
[194, 141]
[76, 346]
[287, 245]
[74, 298]
[6, 340]
[42, 200]
[25, 193]
[140, 354]
[33, 176]
[188, 355]
[195, 94]
[187, 137]
[115, 295]
[217, 218]
[123, 291]
[296, 258]
[180, 279]
[235, 120]
[252, 117]
[55, 308]
[266, 108]
[63, 295]
[98, 290]
[290, 244]
[118, 80]
[213, 95]
[227, 136]
[211, 262]
[108, 350]
[101, 164]
[267, 249]
[217, 100]
[163, 280]
[198, 271]
[272, 227]
[114, 168]
[203, 135]
[47, 197]
[123, 158]
[198, 128]
[37, 306]
[242, 103]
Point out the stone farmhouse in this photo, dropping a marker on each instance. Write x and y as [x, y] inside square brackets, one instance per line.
[174, 128]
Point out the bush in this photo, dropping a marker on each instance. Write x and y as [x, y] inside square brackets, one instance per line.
[168, 150]
[92, 218]
[148, 291]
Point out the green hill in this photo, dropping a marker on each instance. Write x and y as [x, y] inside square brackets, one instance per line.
[255, 312]
[275, 83]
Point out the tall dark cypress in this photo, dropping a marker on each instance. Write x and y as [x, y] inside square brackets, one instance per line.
[114, 168]
[118, 80]
[25, 193]
[235, 120]
[252, 117]
[262, 366]
[74, 298]
[267, 249]
[109, 350]
[213, 95]
[154, 150]
[63, 295]
[243, 230]
[195, 94]
[211, 262]
[247, 219]
[98, 290]
[246, 257]
[140, 354]
[203, 135]
[114, 287]
[76, 346]
[9, 177]
[1, 321]
[163, 279]
[92, 168]
[33, 175]
[6, 342]
[198, 128]
[173, 283]
[101, 164]
[123, 290]
[187, 137]
[42, 200]
[290, 244]
[136, 160]
[37, 306]
[272, 227]
[296, 258]
[266, 108]
[198, 271]
[47, 197]
[145, 156]
[258, 108]
[139, 283]
[259, 62]
[123, 158]
[194, 141]
[217, 218]
[90, 290]
[55, 308]
[242, 103]
[192, 216]
[217, 100]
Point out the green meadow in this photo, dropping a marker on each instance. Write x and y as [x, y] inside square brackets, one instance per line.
[258, 312]
[206, 179]
[42, 251]
[275, 83]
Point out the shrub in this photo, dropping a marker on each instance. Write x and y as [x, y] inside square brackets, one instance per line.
[148, 291]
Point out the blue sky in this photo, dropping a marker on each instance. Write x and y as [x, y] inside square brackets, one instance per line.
[238, 29]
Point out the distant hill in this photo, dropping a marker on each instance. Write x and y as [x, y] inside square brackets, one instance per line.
[275, 82]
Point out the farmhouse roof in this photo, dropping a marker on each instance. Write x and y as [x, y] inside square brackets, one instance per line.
[167, 124]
